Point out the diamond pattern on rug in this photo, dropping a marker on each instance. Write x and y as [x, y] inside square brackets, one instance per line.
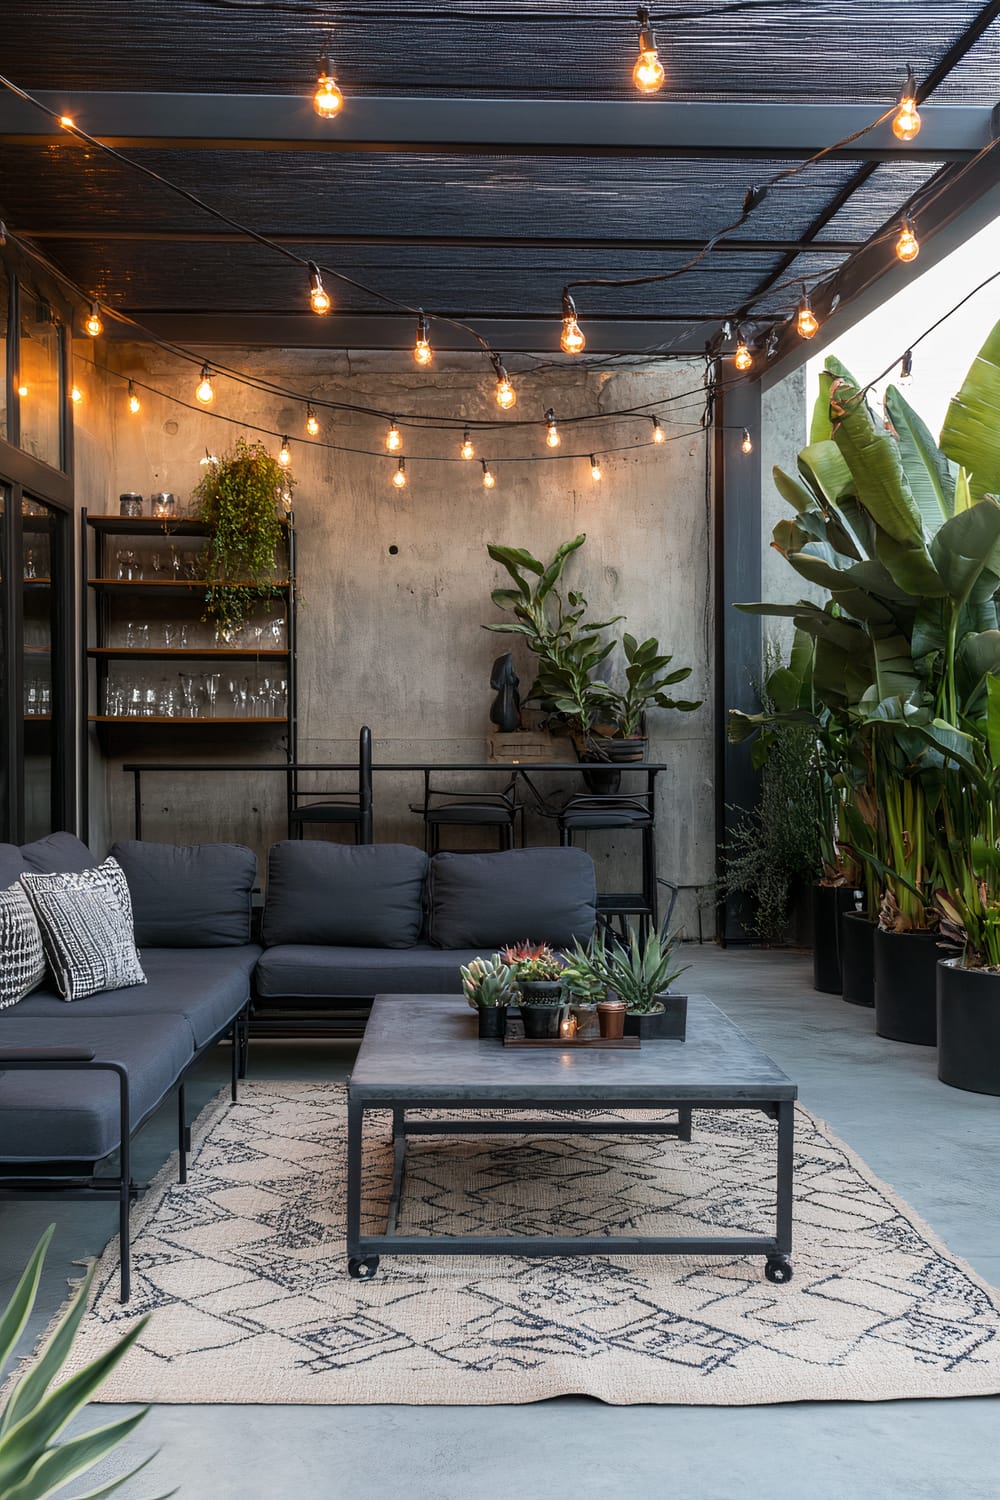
[244, 1271]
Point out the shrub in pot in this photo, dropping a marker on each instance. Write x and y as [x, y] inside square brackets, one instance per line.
[488, 985]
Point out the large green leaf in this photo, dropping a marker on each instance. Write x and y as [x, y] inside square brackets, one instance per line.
[930, 473]
[550, 575]
[977, 661]
[993, 719]
[798, 497]
[514, 558]
[876, 467]
[18, 1309]
[967, 547]
[909, 564]
[971, 431]
[821, 426]
[825, 465]
[56, 1466]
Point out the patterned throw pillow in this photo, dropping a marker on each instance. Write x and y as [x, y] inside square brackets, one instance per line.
[22, 958]
[86, 924]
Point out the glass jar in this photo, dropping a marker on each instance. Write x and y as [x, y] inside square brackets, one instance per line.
[163, 505]
[130, 504]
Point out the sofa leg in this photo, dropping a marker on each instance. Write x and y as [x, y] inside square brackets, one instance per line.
[244, 1035]
[234, 1070]
[183, 1137]
[124, 1204]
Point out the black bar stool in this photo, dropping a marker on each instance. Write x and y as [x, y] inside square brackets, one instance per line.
[334, 809]
[595, 814]
[468, 809]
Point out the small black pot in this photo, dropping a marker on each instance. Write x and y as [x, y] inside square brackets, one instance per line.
[828, 901]
[541, 1021]
[906, 986]
[968, 1016]
[492, 1021]
[857, 958]
[667, 1025]
[541, 992]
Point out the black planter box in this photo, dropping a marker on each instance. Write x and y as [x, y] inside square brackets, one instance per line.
[906, 986]
[828, 901]
[857, 958]
[968, 1017]
[668, 1025]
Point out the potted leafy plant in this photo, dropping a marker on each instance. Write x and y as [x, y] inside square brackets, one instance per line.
[538, 975]
[645, 679]
[489, 986]
[642, 974]
[585, 983]
[240, 501]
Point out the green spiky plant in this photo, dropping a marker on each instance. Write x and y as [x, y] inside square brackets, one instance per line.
[585, 975]
[33, 1463]
[640, 972]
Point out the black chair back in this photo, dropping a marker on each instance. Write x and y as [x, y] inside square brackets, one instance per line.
[365, 832]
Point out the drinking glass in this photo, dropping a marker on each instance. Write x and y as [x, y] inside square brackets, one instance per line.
[277, 626]
[169, 635]
[156, 562]
[30, 570]
[211, 681]
[175, 562]
[189, 696]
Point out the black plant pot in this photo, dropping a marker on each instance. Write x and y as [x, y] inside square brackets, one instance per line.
[857, 958]
[492, 1021]
[667, 1025]
[541, 1021]
[906, 986]
[828, 901]
[968, 1017]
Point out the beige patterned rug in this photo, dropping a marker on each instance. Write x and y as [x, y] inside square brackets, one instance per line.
[245, 1274]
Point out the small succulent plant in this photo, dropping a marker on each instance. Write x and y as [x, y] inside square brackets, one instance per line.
[642, 973]
[488, 982]
[586, 973]
[532, 961]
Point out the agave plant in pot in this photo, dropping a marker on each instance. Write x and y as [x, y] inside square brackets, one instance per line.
[641, 974]
[537, 973]
[585, 983]
[489, 986]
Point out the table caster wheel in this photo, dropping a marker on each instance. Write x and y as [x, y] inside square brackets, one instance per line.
[778, 1269]
[363, 1270]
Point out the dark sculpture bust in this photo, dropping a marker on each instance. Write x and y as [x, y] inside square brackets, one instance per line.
[505, 710]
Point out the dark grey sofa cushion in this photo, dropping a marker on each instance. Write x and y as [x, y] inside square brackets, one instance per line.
[206, 987]
[11, 865]
[188, 895]
[483, 901]
[366, 895]
[58, 854]
[74, 1115]
[300, 970]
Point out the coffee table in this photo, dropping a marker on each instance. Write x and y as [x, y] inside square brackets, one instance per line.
[421, 1052]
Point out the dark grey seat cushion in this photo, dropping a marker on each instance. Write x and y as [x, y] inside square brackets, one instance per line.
[483, 901]
[58, 854]
[204, 987]
[189, 895]
[606, 817]
[11, 865]
[74, 1116]
[299, 970]
[366, 895]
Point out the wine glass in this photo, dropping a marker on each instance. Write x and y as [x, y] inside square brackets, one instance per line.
[211, 680]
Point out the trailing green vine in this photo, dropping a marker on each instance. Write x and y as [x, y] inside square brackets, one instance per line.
[240, 502]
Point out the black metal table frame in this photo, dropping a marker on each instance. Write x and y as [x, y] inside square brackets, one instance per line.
[364, 1250]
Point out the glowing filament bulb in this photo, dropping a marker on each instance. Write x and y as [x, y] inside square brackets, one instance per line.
[76, 395]
[393, 438]
[648, 74]
[595, 469]
[205, 393]
[906, 368]
[907, 248]
[747, 443]
[743, 359]
[399, 478]
[659, 436]
[906, 121]
[22, 391]
[552, 437]
[312, 422]
[93, 325]
[806, 322]
[134, 404]
[327, 100]
[489, 478]
[572, 340]
[285, 456]
[506, 394]
[67, 122]
[422, 351]
[467, 449]
[319, 297]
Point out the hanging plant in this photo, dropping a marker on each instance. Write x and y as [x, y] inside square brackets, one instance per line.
[240, 499]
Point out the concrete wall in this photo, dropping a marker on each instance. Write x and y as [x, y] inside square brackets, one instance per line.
[394, 638]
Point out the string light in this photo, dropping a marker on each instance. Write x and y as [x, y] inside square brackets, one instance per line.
[747, 443]
[399, 478]
[506, 394]
[67, 122]
[489, 478]
[327, 100]
[906, 121]
[134, 404]
[22, 391]
[467, 449]
[806, 321]
[907, 248]
[771, 347]
[422, 351]
[906, 368]
[648, 74]
[659, 436]
[210, 458]
[572, 340]
[76, 395]
[312, 422]
[393, 438]
[93, 325]
[595, 469]
[285, 455]
[205, 393]
[319, 297]
[552, 437]
[743, 359]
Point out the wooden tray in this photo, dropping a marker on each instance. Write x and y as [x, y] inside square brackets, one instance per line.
[571, 1044]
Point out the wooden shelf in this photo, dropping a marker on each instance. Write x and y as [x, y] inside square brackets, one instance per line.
[152, 525]
[173, 583]
[183, 653]
[138, 720]
[44, 651]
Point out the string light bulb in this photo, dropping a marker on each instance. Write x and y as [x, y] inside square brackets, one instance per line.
[743, 359]
[285, 454]
[489, 478]
[393, 438]
[647, 75]
[399, 478]
[467, 449]
[552, 437]
[595, 469]
[907, 248]
[906, 368]
[76, 395]
[312, 422]
[208, 460]
[505, 393]
[327, 100]
[906, 120]
[22, 391]
[93, 324]
[205, 394]
[422, 351]
[572, 340]
[319, 297]
[659, 436]
[747, 443]
[67, 122]
[806, 322]
[134, 404]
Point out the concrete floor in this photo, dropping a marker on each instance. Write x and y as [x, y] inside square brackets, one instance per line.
[939, 1148]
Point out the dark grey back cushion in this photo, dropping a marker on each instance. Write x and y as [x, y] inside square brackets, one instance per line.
[58, 854]
[359, 896]
[11, 865]
[188, 895]
[486, 900]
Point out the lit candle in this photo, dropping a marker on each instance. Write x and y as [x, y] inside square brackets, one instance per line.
[567, 1028]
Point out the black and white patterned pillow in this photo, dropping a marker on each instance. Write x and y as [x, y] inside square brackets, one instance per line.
[86, 924]
[22, 958]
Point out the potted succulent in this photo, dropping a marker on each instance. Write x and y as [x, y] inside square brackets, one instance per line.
[585, 983]
[489, 987]
[537, 973]
[642, 975]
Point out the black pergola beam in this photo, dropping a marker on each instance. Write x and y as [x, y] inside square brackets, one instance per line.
[536, 127]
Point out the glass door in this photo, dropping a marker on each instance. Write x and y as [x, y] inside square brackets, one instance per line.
[42, 646]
